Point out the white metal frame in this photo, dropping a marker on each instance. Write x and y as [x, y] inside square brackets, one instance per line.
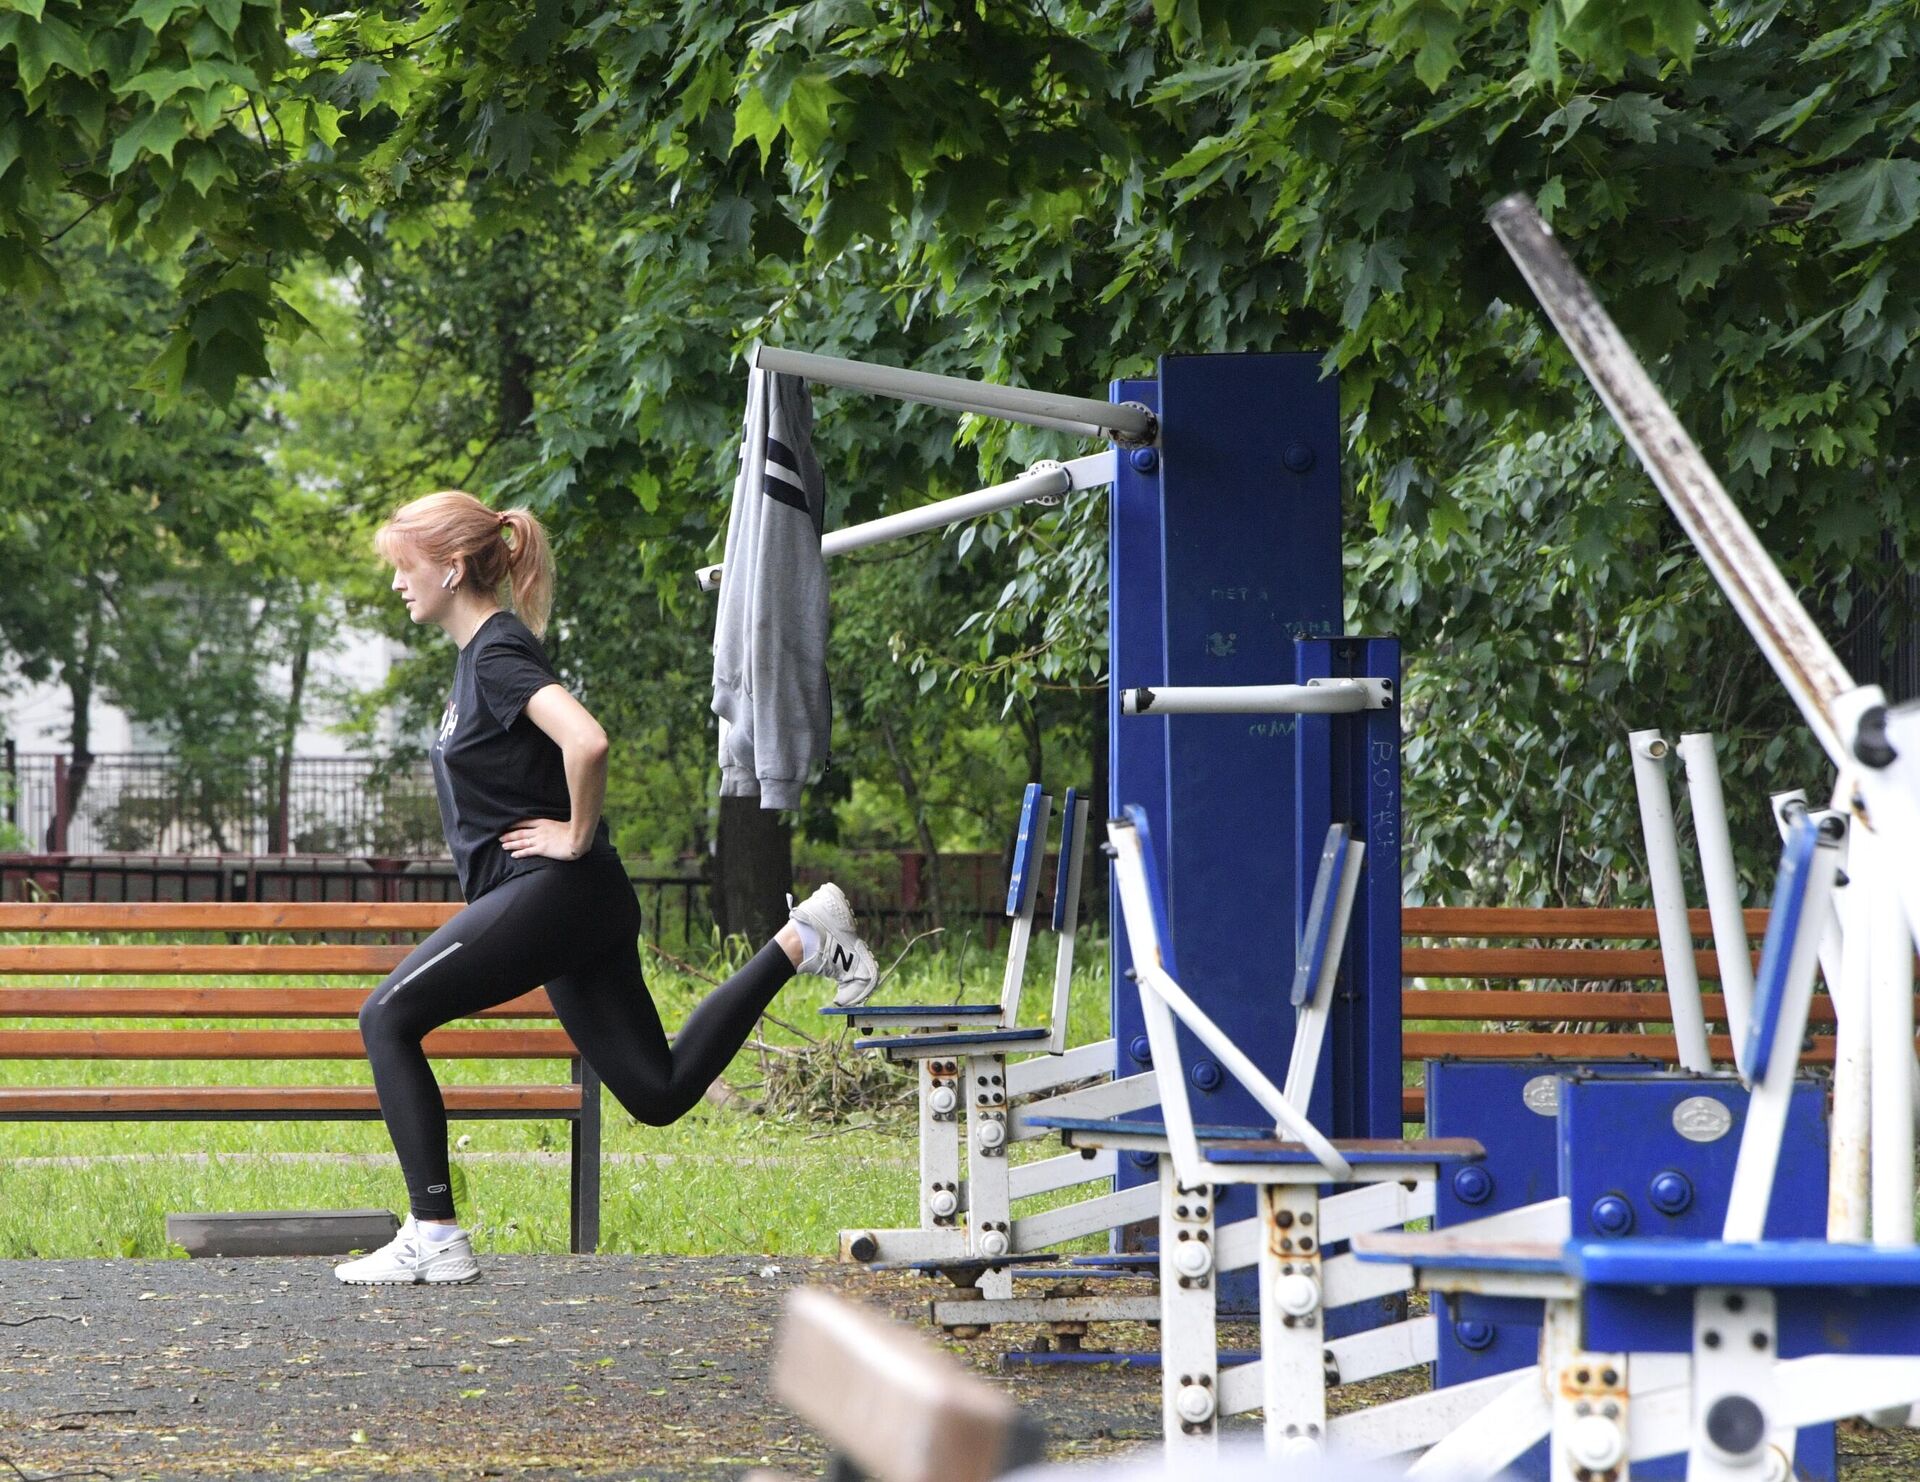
[1046, 482]
[1315, 697]
[1724, 907]
[1124, 422]
[1649, 751]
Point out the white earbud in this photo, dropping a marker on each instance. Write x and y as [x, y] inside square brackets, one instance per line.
[452, 573]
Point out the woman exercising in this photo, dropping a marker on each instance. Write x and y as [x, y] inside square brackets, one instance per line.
[521, 771]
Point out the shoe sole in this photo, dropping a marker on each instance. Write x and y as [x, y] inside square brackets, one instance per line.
[471, 1276]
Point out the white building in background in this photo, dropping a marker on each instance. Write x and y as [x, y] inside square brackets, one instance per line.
[38, 717]
[136, 801]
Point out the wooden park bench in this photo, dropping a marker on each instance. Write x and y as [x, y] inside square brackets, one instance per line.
[112, 980]
[1577, 966]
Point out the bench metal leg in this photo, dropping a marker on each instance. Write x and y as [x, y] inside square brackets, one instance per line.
[584, 1164]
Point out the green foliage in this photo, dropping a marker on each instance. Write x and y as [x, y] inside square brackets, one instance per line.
[1052, 194]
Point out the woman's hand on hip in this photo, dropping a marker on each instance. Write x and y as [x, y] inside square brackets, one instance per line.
[543, 838]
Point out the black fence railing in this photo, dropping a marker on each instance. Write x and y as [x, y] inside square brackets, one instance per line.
[138, 803]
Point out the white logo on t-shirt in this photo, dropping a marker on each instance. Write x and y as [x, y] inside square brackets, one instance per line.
[447, 722]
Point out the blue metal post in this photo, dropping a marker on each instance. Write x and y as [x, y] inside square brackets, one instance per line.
[1225, 548]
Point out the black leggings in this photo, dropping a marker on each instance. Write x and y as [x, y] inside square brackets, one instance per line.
[574, 927]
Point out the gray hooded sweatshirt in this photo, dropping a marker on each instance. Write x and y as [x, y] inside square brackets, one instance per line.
[770, 636]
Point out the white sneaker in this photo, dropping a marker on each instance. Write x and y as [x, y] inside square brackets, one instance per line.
[410, 1258]
[842, 956]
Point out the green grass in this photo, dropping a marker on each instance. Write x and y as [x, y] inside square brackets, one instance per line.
[721, 1180]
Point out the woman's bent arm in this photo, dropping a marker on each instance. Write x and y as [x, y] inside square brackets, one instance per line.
[583, 745]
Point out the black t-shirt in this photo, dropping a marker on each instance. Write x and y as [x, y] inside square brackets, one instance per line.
[492, 766]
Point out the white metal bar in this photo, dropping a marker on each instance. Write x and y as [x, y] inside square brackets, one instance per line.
[1833, 1386]
[1237, 1246]
[908, 1245]
[1473, 1429]
[1315, 697]
[1042, 481]
[1292, 1329]
[1669, 898]
[1044, 1073]
[1190, 1398]
[1805, 662]
[972, 1310]
[1076, 824]
[1107, 1099]
[1310, 1021]
[1063, 1172]
[1083, 414]
[939, 1148]
[1872, 867]
[1373, 1207]
[1348, 1279]
[1385, 1350]
[1724, 906]
[1070, 1221]
[1288, 1122]
[1846, 952]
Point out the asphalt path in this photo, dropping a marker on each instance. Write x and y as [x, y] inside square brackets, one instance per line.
[549, 1365]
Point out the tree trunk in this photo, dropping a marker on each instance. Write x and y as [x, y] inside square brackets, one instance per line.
[278, 838]
[79, 678]
[916, 804]
[753, 869]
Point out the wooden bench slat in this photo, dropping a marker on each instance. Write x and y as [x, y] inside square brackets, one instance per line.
[226, 915]
[1530, 1006]
[1599, 964]
[321, 1100]
[1518, 1045]
[293, 959]
[271, 1044]
[1627, 924]
[93, 1001]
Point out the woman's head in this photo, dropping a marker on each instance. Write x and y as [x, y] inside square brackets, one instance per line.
[460, 544]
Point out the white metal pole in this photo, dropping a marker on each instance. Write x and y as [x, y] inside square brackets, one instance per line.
[1123, 422]
[1046, 480]
[1890, 995]
[1723, 887]
[1315, 697]
[1843, 963]
[1849, 1130]
[1669, 898]
[1771, 610]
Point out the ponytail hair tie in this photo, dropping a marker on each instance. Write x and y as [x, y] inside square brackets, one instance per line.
[504, 522]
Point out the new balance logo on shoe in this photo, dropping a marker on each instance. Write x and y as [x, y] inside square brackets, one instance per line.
[842, 959]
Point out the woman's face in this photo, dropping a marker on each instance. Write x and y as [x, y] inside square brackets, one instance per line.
[419, 580]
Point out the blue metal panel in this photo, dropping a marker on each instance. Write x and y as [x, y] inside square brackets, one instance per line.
[1063, 876]
[1028, 850]
[1488, 1101]
[1618, 1136]
[1225, 545]
[1136, 745]
[1783, 930]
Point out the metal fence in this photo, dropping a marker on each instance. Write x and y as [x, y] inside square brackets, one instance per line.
[155, 804]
